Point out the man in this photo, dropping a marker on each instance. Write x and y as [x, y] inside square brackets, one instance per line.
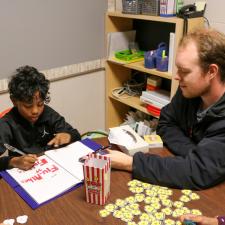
[31, 126]
[192, 126]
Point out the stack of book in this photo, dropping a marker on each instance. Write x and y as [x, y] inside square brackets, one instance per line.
[155, 100]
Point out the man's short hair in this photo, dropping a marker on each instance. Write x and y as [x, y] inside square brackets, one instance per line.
[26, 82]
[211, 48]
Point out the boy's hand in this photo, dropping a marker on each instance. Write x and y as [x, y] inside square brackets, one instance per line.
[60, 139]
[24, 162]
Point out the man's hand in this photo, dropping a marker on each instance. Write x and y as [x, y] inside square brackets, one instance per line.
[201, 220]
[24, 162]
[60, 139]
[120, 160]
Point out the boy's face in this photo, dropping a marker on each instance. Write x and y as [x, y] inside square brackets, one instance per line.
[30, 111]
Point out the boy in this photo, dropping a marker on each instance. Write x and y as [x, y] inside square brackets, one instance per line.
[31, 126]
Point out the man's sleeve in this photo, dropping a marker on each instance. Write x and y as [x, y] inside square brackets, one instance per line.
[170, 126]
[201, 168]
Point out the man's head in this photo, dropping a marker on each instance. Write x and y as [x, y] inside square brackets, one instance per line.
[28, 91]
[200, 59]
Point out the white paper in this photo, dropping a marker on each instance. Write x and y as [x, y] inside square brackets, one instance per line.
[45, 180]
[68, 158]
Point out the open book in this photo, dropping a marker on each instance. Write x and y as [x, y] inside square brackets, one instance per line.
[54, 173]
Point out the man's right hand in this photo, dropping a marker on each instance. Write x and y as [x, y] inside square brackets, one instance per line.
[24, 162]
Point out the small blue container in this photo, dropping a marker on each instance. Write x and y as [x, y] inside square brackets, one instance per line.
[162, 63]
[150, 59]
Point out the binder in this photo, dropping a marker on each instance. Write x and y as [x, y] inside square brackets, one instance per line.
[26, 197]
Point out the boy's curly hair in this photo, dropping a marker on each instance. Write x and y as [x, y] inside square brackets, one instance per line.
[26, 82]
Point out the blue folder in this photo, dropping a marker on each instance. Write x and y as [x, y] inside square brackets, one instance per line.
[26, 197]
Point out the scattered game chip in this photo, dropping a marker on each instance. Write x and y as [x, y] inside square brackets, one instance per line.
[147, 200]
[134, 206]
[139, 197]
[130, 199]
[133, 183]
[149, 209]
[186, 210]
[151, 192]
[111, 207]
[136, 212]
[131, 223]
[169, 222]
[177, 212]
[9, 221]
[178, 204]
[117, 213]
[159, 215]
[22, 219]
[194, 196]
[186, 191]
[155, 200]
[120, 202]
[146, 185]
[167, 202]
[185, 198]
[178, 222]
[156, 222]
[156, 205]
[104, 213]
[167, 211]
[142, 222]
[144, 216]
[196, 212]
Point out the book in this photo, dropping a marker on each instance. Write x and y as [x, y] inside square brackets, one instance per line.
[160, 96]
[54, 173]
[171, 52]
[154, 141]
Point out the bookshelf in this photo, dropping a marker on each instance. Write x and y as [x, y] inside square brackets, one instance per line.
[150, 30]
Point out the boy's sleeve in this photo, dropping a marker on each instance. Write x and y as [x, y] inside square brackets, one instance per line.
[4, 162]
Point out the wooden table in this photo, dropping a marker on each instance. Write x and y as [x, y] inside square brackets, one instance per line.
[72, 209]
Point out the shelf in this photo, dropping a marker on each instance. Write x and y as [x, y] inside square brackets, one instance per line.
[146, 17]
[140, 67]
[133, 102]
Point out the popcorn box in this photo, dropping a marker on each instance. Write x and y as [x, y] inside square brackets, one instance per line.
[97, 170]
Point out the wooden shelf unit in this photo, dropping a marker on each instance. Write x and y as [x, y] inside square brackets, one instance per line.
[117, 74]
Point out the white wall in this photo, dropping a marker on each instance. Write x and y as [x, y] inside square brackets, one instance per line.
[80, 99]
[214, 13]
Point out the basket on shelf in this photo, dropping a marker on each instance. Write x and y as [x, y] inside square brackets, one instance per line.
[132, 6]
[150, 7]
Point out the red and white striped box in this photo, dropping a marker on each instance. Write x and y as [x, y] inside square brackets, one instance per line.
[97, 170]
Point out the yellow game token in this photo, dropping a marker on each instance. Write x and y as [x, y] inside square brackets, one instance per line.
[139, 197]
[155, 200]
[186, 191]
[167, 202]
[149, 209]
[132, 183]
[150, 192]
[117, 213]
[167, 211]
[147, 200]
[169, 222]
[194, 196]
[143, 222]
[185, 198]
[156, 222]
[196, 212]
[178, 222]
[156, 205]
[144, 216]
[131, 223]
[186, 210]
[163, 196]
[120, 202]
[134, 206]
[130, 199]
[159, 215]
[178, 204]
[110, 207]
[104, 213]
[146, 185]
[136, 212]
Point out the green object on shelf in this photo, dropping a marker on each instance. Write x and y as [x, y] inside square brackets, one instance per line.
[126, 55]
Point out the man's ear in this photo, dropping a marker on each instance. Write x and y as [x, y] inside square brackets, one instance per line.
[213, 71]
